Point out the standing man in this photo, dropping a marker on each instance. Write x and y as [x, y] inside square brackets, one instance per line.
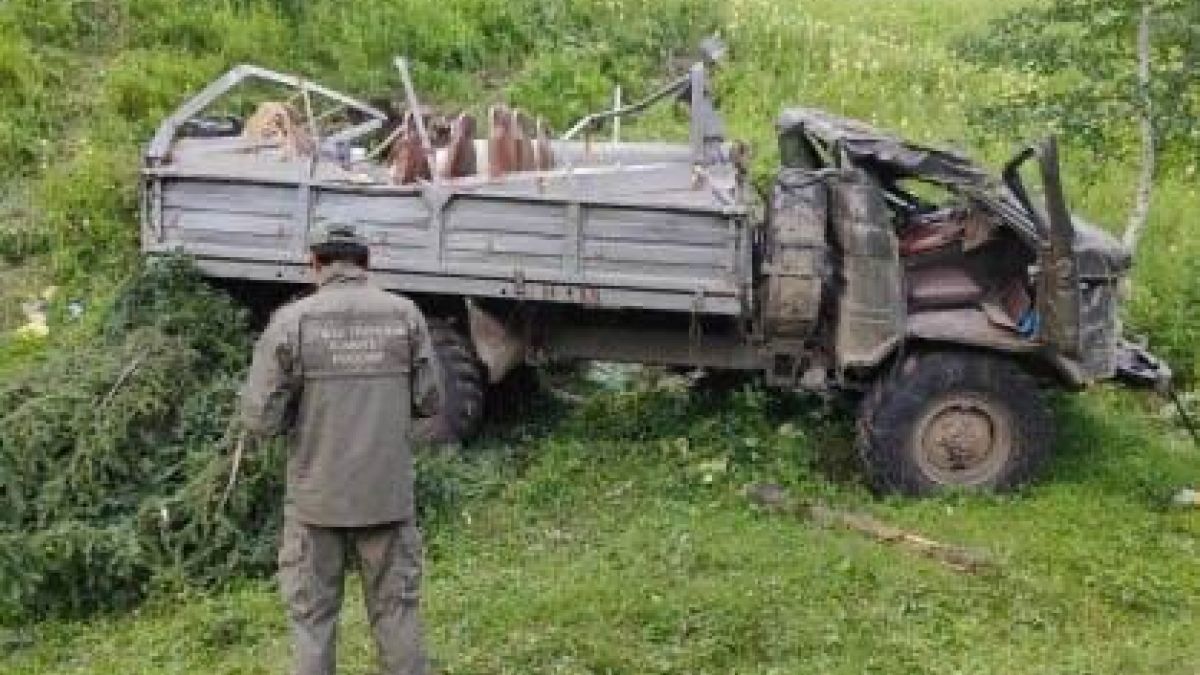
[342, 372]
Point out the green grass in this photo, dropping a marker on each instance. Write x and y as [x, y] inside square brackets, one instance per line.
[613, 538]
[617, 554]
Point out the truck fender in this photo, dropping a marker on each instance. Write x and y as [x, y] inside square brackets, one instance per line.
[1046, 365]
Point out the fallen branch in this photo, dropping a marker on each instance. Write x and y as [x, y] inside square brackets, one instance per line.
[235, 466]
[125, 375]
[775, 499]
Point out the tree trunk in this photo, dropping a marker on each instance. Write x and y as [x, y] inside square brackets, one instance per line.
[1141, 207]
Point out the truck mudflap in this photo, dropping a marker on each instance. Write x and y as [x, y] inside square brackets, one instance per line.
[1137, 367]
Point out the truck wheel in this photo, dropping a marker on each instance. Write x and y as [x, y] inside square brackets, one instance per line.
[514, 397]
[461, 385]
[954, 420]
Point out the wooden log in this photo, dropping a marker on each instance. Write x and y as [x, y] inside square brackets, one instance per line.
[775, 499]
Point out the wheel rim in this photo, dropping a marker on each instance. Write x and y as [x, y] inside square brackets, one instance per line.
[964, 439]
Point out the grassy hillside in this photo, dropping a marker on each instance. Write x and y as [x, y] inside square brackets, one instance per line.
[612, 539]
[611, 536]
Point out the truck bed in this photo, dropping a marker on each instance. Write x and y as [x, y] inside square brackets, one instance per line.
[650, 235]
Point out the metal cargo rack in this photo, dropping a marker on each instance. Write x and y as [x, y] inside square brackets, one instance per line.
[647, 225]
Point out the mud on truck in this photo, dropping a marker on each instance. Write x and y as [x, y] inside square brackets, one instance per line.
[947, 299]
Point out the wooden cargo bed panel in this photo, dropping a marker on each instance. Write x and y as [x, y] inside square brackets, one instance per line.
[463, 240]
[659, 244]
[380, 210]
[218, 218]
[229, 197]
[516, 235]
[684, 232]
[396, 225]
[515, 244]
[469, 212]
[646, 258]
[185, 221]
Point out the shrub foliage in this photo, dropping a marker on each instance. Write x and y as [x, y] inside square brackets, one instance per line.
[113, 452]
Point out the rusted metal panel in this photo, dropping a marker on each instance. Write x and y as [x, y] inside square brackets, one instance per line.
[796, 257]
[1059, 298]
[870, 317]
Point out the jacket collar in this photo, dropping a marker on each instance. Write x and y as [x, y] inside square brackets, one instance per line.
[339, 272]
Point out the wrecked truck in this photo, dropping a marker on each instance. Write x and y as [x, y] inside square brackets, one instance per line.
[947, 299]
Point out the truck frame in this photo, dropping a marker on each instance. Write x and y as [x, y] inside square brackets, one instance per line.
[947, 318]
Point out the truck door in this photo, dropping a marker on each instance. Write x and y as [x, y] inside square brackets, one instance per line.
[1058, 294]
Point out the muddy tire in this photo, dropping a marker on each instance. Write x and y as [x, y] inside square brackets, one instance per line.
[954, 420]
[462, 387]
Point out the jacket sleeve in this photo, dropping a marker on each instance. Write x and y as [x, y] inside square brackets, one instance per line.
[273, 386]
[426, 394]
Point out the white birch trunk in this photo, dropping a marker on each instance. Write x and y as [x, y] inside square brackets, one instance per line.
[1141, 207]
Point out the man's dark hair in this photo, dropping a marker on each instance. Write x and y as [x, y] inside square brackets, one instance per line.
[351, 253]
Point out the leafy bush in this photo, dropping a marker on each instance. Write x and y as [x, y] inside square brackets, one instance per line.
[69, 568]
[103, 443]
[115, 456]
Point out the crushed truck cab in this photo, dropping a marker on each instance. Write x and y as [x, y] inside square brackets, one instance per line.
[983, 266]
[944, 297]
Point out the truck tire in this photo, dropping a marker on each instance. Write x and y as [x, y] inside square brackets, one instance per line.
[949, 420]
[516, 396]
[461, 383]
